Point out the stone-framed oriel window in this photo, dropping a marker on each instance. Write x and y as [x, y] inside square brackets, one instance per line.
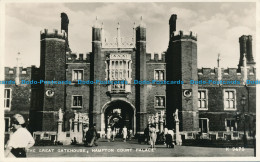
[119, 68]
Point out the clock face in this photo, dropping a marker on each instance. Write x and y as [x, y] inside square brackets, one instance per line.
[49, 93]
[187, 93]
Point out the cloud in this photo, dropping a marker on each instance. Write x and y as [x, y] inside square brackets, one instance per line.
[21, 38]
[220, 34]
[218, 25]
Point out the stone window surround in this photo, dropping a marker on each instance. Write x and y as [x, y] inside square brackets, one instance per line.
[160, 70]
[207, 124]
[227, 126]
[72, 99]
[235, 103]
[206, 95]
[164, 101]
[10, 99]
[73, 71]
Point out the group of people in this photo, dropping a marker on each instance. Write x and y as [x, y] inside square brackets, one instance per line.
[111, 133]
[151, 136]
[21, 139]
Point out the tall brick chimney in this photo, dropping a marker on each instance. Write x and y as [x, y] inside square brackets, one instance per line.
[172, 23]
[140, 104]
[245, 42]
[64, 22]
[65, 27]
[96, 69]
[249, 50]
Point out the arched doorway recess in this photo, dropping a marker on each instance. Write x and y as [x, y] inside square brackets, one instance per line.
[118, 113]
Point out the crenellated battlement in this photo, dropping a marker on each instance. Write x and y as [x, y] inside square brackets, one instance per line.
[157, 57]
[228, 73]
[207, 71]
[77, 58]
[185, 35]
[53, 34]
[14, 71]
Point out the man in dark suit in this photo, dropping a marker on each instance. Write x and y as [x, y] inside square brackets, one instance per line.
[91, 136]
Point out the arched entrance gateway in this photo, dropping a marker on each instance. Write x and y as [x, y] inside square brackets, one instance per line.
[117, 114]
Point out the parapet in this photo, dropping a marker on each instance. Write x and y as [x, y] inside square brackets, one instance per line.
[22, 70]
[207, 71]
[157, 57]
[214, 71]
[77, 58]
[228, 73]
[185, 35]
[54, 34]
[231, 71]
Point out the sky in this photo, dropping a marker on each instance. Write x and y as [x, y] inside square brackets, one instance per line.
[218, 27]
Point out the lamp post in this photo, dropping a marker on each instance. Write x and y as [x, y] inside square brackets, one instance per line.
[243, 103]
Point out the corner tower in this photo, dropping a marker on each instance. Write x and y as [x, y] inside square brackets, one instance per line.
[181, 64]
[52, 68]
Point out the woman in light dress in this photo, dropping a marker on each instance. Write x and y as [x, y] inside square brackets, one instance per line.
[21, 140]
[153, 135]
[124, 132]
[109, 131]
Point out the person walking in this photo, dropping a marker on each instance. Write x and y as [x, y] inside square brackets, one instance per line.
[153, 135]
[171, 132]
[130, 134]
[114, 134]
[21, 140]
[168, 140]
[91, 136]
[124, 133]
[146, 135]
[85, 130]
[109, 133]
